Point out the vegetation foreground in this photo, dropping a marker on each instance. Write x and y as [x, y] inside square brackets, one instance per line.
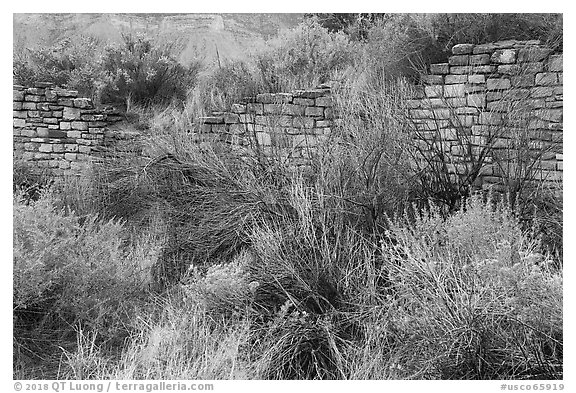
[222, 275]
[194, 266]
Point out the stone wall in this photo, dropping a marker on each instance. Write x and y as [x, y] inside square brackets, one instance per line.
[289, 125]
[55, 131]
[507, 96]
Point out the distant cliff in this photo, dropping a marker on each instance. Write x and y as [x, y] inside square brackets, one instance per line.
[191, 36]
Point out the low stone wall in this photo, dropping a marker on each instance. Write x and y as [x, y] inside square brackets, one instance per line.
[289, 125]
[55, 131]
[503, 98]
[499, 104]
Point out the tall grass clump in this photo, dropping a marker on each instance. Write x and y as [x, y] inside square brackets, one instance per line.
[366, 167]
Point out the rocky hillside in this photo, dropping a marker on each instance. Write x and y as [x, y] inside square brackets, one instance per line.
[204, 36]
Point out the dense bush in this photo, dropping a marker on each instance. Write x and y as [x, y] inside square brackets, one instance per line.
[303, 57]
[227, 85]
[71, 271]
[137, 69]
[144, 73]
[466, 289]
[71, 62]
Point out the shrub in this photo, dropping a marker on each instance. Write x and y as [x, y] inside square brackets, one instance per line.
[72, 63]
[144, 73]
[227, 85]
[71, 270]
[303, 57]
[366, 166]
[464, 292]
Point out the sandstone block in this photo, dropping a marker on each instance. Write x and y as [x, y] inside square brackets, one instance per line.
[440, 69]
[522, 80]
[459, 60]
[484, 69]
[555, 63]
[498, 83]
[441, 114]
[263, 139]
[32, 98]
[314, 111]
[238, 108]
[45, 148]
[56, 134]
[231, 118]
[433, 91]
[74, 134]
[489, 118]
[476, 79]
[484, 48]
[79, 125]
[531, 67]
[28, 133]
[457, 90]
[20, 114]
[103, 124]
[539, 92]
[451, 79]
[504, 56]
[50, 95]
[17, 95]
[552, 115]
[461, 69]
[509, 69]
[462, 49]
[432, 79]
[42, 132]
[31, 106]
[303, 101]
[71, 113]
[311, 93]
[546, 79]
[476, 100]
[65, 102]
[482, 59]
[82, 103]
[323, 123]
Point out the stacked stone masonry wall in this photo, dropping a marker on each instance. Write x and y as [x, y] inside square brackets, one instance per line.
[498, 94]
[55, 131]
[288, 125]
